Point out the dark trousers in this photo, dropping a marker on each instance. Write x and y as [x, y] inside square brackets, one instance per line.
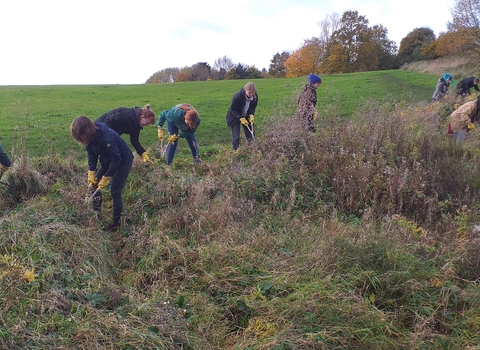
[116, 188]
[235, 130]
[172, 147]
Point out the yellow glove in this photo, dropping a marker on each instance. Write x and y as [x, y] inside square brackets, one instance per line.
[243, 120]
[471, 127]
[146, 158]
[251, 119]
[91, 180]
[104, 182]
[161, 134]
[172, 138]
[315, 115]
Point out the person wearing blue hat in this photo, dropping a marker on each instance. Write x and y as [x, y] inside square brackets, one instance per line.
[441, 89]
[307, 102]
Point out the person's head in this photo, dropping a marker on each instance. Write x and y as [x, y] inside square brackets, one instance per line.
[147, 117]
[83, 130]
[475, 81]
[191, 115]
[250, 89]
[448, 78]
[314, 79]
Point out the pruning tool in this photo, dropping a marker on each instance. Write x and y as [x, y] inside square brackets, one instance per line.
[163, 149]
[250, 129]
[89, 197]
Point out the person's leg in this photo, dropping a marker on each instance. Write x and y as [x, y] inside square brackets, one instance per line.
[192, 143]
[172, 130]
[117, 183]
[235, 130]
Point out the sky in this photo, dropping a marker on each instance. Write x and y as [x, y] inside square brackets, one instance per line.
[71, 42]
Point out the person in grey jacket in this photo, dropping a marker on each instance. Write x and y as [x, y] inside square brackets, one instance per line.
[241, 111]
[441, 89]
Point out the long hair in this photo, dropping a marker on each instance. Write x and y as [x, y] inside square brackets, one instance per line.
[83, 130]
[148, 114]
[191, 115]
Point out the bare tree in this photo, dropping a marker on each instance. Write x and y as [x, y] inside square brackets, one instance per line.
[224, 63]
[466, 14]
[328, 26]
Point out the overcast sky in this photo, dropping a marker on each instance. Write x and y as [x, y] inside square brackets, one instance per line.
[55, 42]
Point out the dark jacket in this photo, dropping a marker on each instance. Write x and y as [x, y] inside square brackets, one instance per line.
[125, 121]
[176, 116]
[112, 150]
[464, 86]
[4, 160]
[236, 108]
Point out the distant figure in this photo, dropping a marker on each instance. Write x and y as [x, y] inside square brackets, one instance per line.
[180, 117]
[463, 118]
[441, 89]
[130, 121]
[5, 162]
[464, 86]
[104, 145]
[242, 111]
[307, 102]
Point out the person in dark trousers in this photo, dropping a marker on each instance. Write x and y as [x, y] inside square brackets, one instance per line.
[5, 162]
[242, 111]
[464, 86]
[130, 121]
[104, 145]
[307, 102]
[441, 89]
[180, 117]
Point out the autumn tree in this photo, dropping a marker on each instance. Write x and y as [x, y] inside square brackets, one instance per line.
[278, 69]
[305, 60]
[465, 14]
[167, 75]
[413, 46]
[241, 71]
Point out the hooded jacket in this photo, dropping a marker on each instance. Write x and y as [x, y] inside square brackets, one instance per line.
[125, 121]
[236, 108]
[110, 148]
[464, 86]
[440, 90]
[176, 116]
[466, 113]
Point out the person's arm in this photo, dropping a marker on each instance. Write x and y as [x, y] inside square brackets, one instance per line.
[135, 141]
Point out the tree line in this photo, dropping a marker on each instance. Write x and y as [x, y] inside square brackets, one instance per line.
[348, 44]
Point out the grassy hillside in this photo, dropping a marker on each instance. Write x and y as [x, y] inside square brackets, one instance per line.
[360, 236]
[39, 117]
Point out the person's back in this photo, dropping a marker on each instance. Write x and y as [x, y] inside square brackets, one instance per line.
[464, 86]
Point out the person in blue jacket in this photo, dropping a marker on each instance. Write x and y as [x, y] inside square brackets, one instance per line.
[182, 117]
[130, 121]
[5, 162]
[105, 146]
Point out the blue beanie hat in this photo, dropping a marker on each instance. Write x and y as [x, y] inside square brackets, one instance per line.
[312, 79]
[446, 76]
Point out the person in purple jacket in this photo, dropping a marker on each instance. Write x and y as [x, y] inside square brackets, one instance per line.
[105, 146]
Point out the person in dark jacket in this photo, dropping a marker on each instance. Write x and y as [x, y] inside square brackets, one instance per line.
[180, 117]
[464, 86]
[130, 121]
[104, 145]
[242, 111]
[307, 102]
[5, 162]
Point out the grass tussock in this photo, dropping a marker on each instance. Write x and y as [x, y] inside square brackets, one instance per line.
[360, 236]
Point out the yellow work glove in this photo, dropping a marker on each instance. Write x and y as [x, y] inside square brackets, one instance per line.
[172, 138]
[146, 158]
[161, 134]
[471, 127]
[315, 115]
[251, 119]
[92, 180]
[104, 182]
[243, 120]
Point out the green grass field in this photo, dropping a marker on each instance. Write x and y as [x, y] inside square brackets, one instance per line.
[38, 117]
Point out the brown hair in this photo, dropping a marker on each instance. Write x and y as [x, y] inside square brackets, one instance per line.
[191, 115]
[148, 114]
[83, 130]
